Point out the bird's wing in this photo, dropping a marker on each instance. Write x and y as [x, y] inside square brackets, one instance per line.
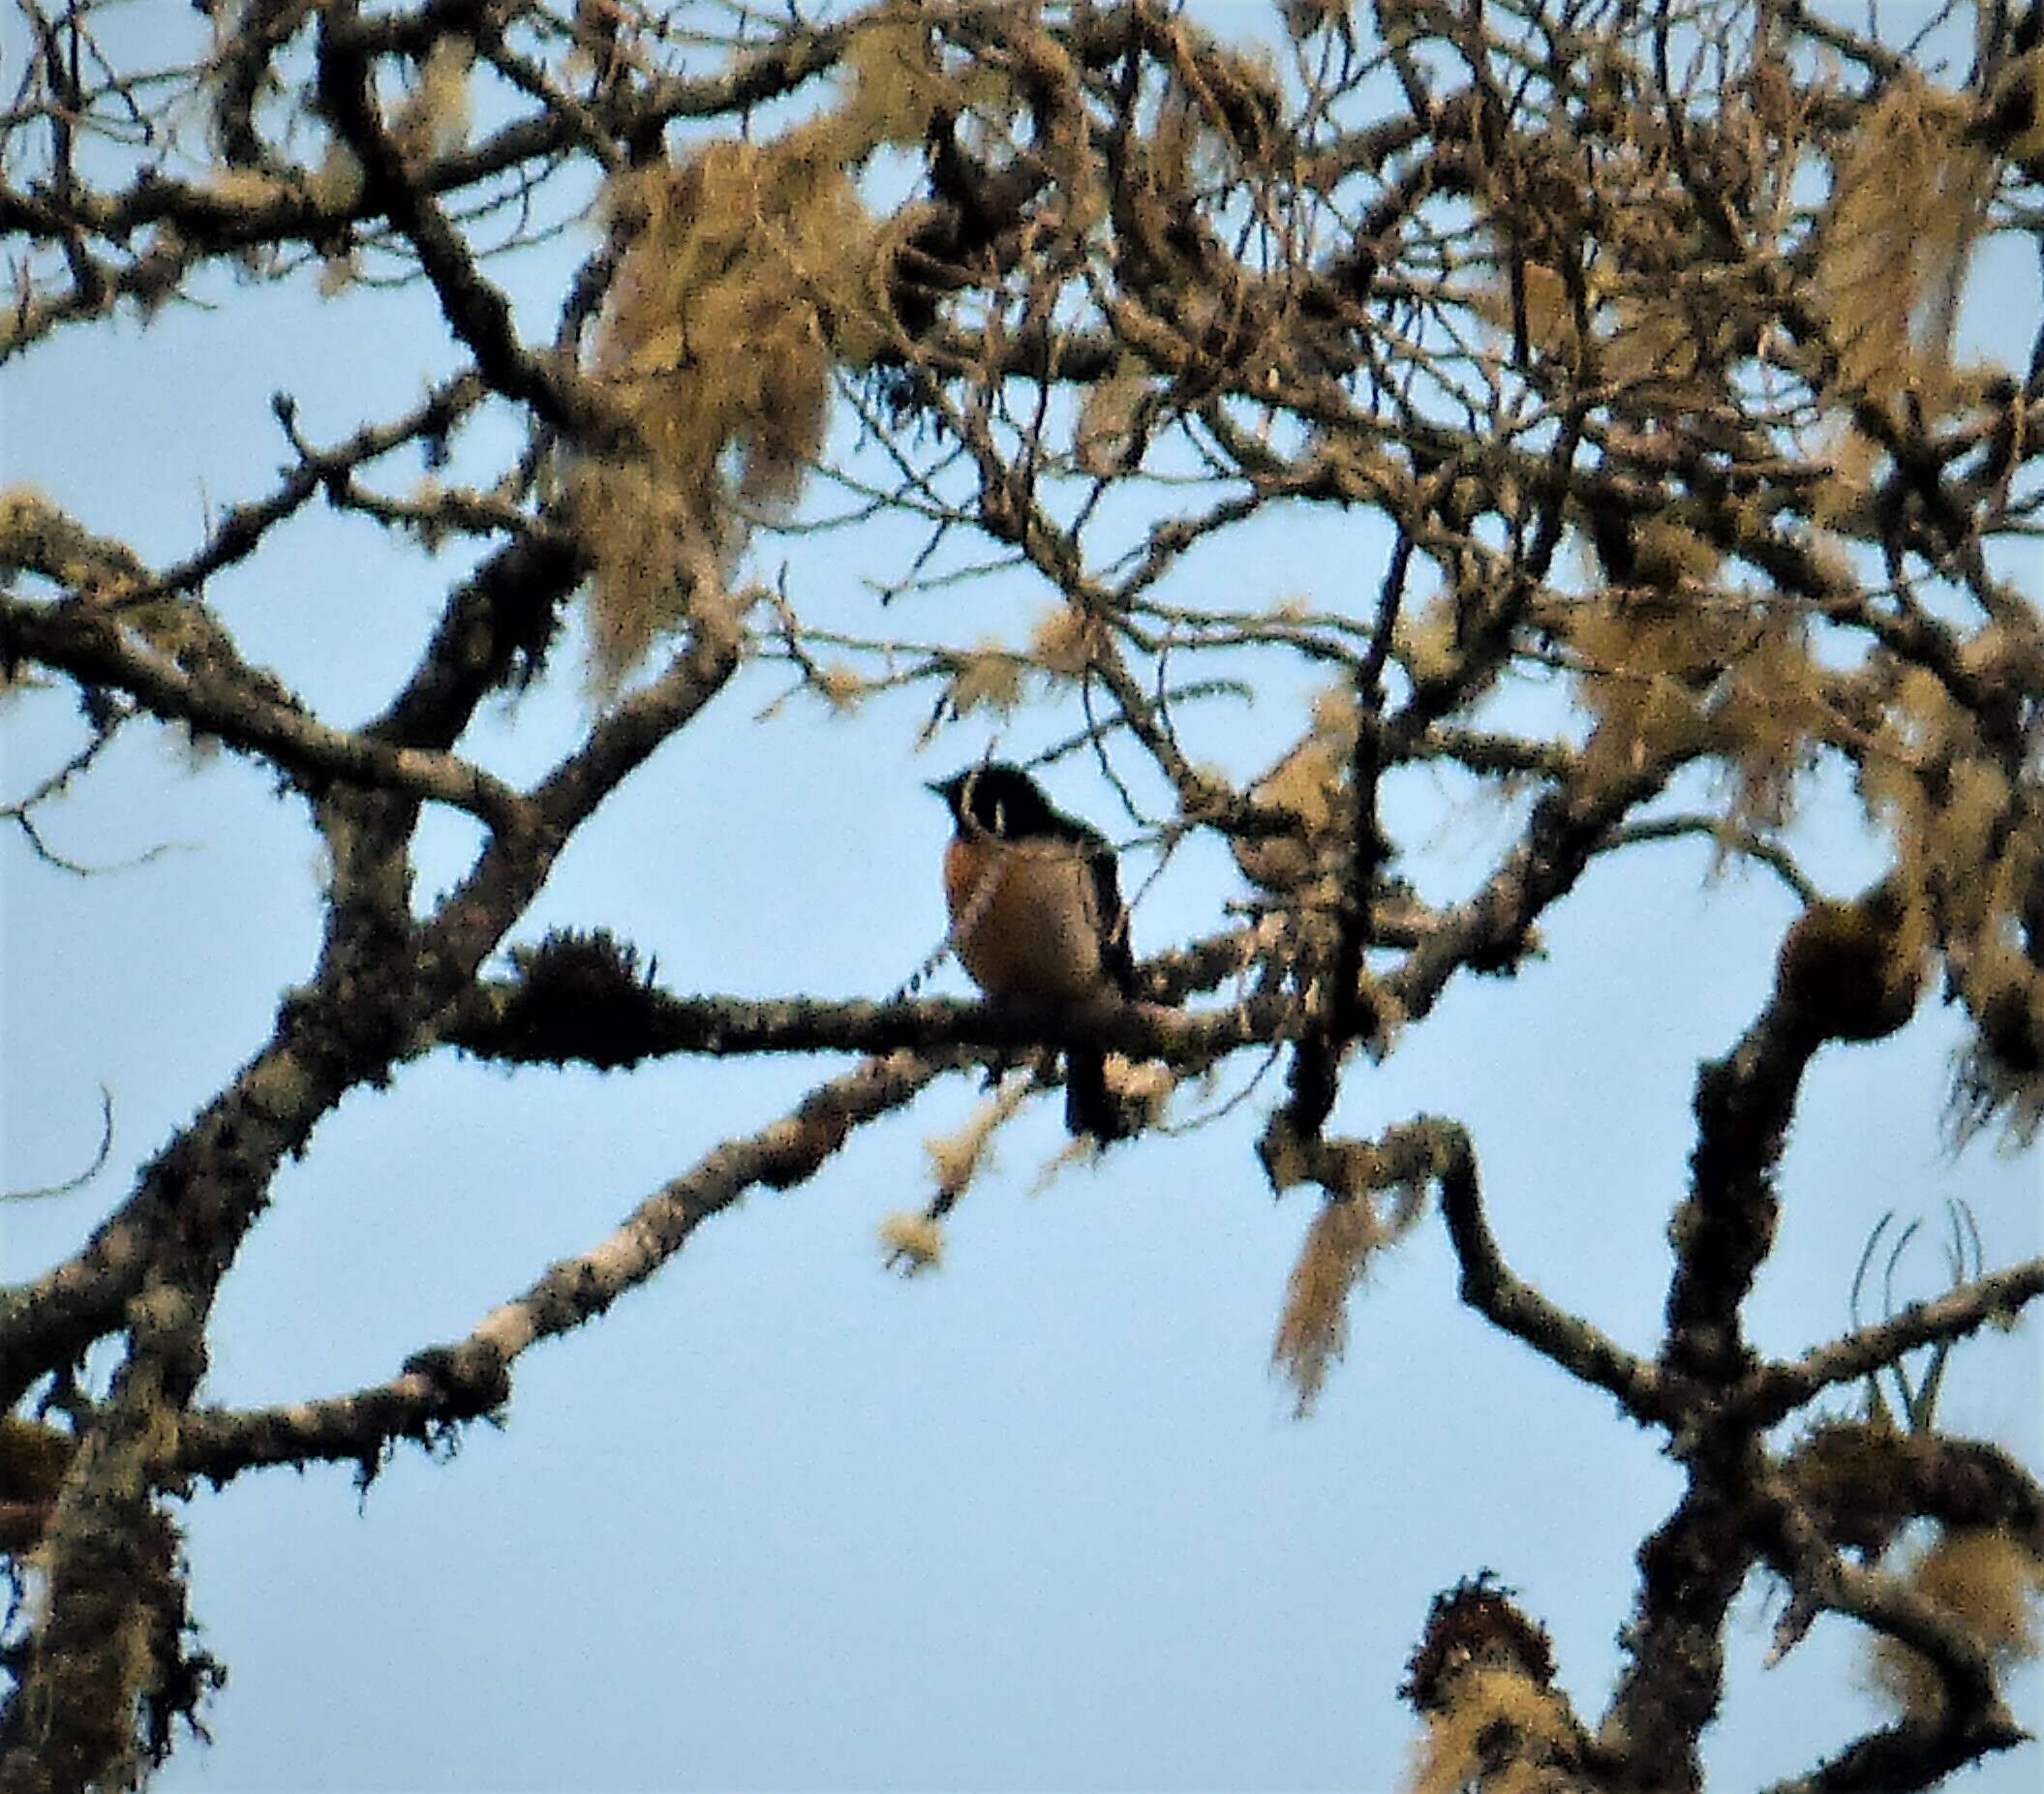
[1116, 958]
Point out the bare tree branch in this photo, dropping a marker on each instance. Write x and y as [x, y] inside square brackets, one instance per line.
[449, 1384]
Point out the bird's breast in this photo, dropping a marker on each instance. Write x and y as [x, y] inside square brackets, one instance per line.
[1024, 921]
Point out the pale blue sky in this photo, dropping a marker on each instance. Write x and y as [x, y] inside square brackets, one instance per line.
[781, 1520]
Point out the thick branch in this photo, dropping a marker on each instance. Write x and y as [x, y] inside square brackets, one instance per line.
[70, 1721]
[1724, 1228]
[1691, 1570]
[229, 1151]
[623, 1024]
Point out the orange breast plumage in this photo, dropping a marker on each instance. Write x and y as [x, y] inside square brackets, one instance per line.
[1023, 918]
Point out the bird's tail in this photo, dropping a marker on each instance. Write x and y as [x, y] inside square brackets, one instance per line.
[1089, 1105]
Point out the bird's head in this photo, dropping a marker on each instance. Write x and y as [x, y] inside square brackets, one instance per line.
[998, 799]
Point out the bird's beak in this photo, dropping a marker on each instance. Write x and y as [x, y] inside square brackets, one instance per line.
[938, 787]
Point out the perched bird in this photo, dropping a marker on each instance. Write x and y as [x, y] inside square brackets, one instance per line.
[1036, 917]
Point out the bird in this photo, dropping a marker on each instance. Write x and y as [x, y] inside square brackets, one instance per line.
[1037, 917]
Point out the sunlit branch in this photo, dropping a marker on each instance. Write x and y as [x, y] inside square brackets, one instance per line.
[449, 1384]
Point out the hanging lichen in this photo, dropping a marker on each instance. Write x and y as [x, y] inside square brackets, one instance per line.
[752, 269]
[1907, 203]
[716, 352]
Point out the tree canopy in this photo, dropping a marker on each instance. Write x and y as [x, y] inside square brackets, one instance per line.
[1559, 417]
